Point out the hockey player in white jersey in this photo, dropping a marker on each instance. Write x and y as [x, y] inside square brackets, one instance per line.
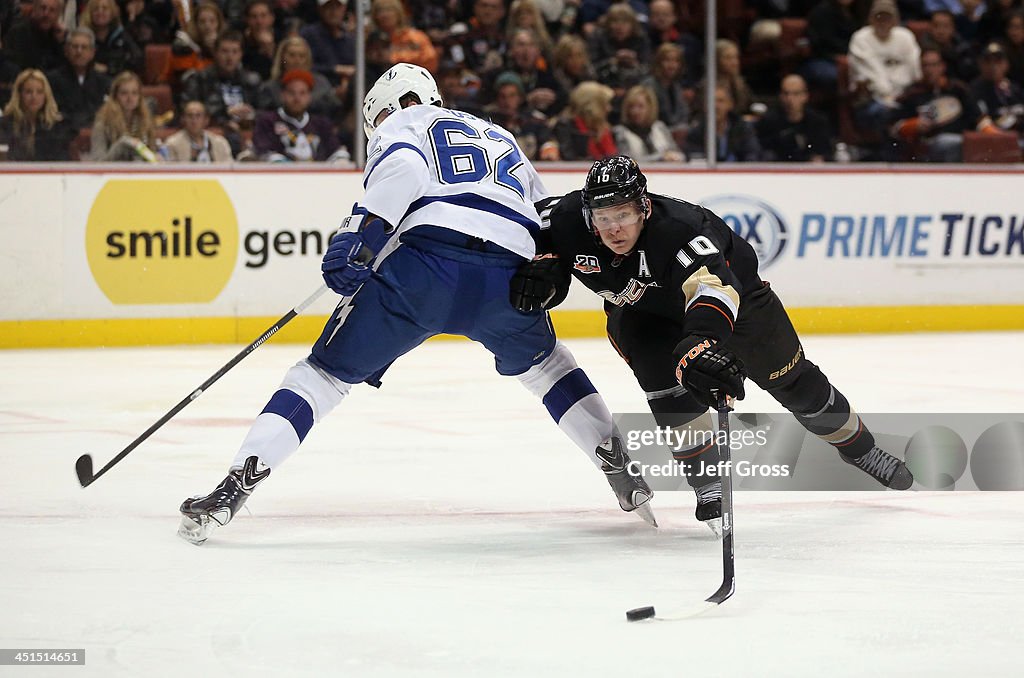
[446, 220]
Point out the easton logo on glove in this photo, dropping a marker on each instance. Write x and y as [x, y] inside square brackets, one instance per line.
[691, 355]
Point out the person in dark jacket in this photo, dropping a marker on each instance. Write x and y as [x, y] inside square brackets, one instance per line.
[290, 133]
[77, 86]
[37, 41]
[829, 27]
[116, 52]
[736, 138]
[31, 127]
[791, 131]
[934, 113]
[228, 90]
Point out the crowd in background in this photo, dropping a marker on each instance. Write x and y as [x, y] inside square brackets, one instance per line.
[273, 80]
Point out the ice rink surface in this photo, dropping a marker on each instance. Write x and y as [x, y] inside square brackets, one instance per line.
[443, 527]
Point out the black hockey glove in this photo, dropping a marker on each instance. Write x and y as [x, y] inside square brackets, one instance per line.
[705, 367]
[539, 284]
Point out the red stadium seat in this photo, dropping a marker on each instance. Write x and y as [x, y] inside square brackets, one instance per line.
[157, 58]
[80, 145]
[918, 28]
[1002, 147]
[161, 96]
[793, 44]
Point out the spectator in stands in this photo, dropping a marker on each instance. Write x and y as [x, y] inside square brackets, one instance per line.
[620, 49]
[291, 134]
[435, 17]
[194, 142]
[663, 27]
[479, 44]
[884, 60]
[460, 89]
[583, 132]
[228, 90]
[830, 25]
[124, 129]
[727, 56]
[543, 91]
[378, 56]
[8, 72]
[736, 140]
[37, 41]
[9, 11]
[408, 44]
[640, 134]
[791, 131]
[1014, 45]
[260, 44]
[956, 52]
[333, 46]
[998, 97]
[147, 22]
[192, 49]
[592, 11]
[992, 25]
[293, 54]
[511, 110]
[291, 15]
[572, 62]
[31, 126]
[934, 113]
[115, 49]
[527, 14]
[78, 87]
[968, 20]
[666, 81]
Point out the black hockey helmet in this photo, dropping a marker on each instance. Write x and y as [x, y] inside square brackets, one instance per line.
[614, 181]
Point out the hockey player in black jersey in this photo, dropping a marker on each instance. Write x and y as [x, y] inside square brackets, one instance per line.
[689, 314]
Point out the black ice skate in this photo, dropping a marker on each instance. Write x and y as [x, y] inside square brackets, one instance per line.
[632, 491]
[709, 506]
[200, 515]
[884, 468]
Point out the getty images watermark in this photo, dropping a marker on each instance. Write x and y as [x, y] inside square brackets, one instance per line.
[682, 439]
[774, 452]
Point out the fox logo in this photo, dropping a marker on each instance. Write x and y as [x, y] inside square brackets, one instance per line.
[587, 263]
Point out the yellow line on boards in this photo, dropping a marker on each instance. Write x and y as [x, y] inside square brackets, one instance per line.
[568, 324]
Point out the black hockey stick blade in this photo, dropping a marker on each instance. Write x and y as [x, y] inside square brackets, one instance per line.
[728, 586]
[83, 467]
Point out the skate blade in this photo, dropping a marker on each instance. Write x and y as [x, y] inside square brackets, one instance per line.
[196, 532]
[715, 525]
[646, 514]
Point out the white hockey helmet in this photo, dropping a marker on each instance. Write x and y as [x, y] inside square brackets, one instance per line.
[389, 90]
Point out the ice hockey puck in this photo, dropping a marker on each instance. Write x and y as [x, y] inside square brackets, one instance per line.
[640, 613]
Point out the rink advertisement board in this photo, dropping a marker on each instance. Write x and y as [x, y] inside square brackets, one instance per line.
[171, 256]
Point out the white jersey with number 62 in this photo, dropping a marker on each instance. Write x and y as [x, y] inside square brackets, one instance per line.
[432, 165]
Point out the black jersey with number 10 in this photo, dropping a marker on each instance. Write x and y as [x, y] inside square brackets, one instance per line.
[687, 264]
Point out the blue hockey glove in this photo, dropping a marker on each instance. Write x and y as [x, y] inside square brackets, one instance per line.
[347, 264]
[344, 270]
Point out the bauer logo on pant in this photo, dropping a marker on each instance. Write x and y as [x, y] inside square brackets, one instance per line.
[164, 241]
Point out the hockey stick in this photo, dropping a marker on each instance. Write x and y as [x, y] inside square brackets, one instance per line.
[84, 464]
[728, 586]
